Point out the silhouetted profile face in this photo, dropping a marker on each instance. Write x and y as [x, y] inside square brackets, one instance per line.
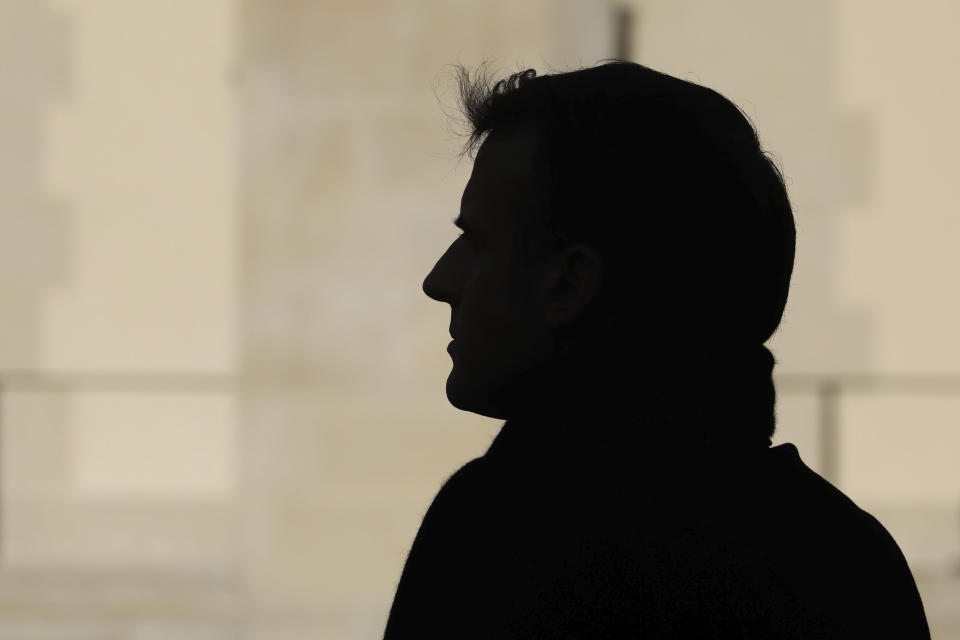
[501, 311]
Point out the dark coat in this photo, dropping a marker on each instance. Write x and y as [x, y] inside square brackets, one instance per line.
[569, 528]
[748, 548]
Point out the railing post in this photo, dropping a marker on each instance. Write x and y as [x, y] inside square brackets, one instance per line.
[623, 29]
[829, 392]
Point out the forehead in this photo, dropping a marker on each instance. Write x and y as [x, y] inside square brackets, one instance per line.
[502, 177]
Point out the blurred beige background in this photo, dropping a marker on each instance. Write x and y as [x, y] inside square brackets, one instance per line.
[222, 409]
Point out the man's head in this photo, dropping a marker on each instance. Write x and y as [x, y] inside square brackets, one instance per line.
[505, 309]
[615, 209]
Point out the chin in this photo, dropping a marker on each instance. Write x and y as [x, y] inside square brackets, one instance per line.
[457, 395]
[466, 398]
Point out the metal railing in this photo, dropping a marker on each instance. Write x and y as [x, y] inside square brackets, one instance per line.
[829, 388]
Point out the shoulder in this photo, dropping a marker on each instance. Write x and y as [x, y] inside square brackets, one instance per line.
[449, 525]
[460, 495]
[464, 482]
[817, 511]
[841, 551]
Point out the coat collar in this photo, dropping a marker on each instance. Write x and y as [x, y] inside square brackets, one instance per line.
[696, 409]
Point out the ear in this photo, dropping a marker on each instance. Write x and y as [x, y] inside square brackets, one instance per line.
[574, 281]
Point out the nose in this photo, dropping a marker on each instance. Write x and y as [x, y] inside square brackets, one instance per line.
[438, 284]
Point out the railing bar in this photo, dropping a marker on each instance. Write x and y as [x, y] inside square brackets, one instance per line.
[890, 383]
[118, 381]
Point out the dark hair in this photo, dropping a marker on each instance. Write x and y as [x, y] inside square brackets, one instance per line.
[665, 178]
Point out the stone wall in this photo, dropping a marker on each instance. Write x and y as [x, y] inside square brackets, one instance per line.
[350, 181]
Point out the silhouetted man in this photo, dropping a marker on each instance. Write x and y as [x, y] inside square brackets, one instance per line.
[627, 251]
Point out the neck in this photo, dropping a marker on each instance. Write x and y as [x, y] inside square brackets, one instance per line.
[714, 399]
